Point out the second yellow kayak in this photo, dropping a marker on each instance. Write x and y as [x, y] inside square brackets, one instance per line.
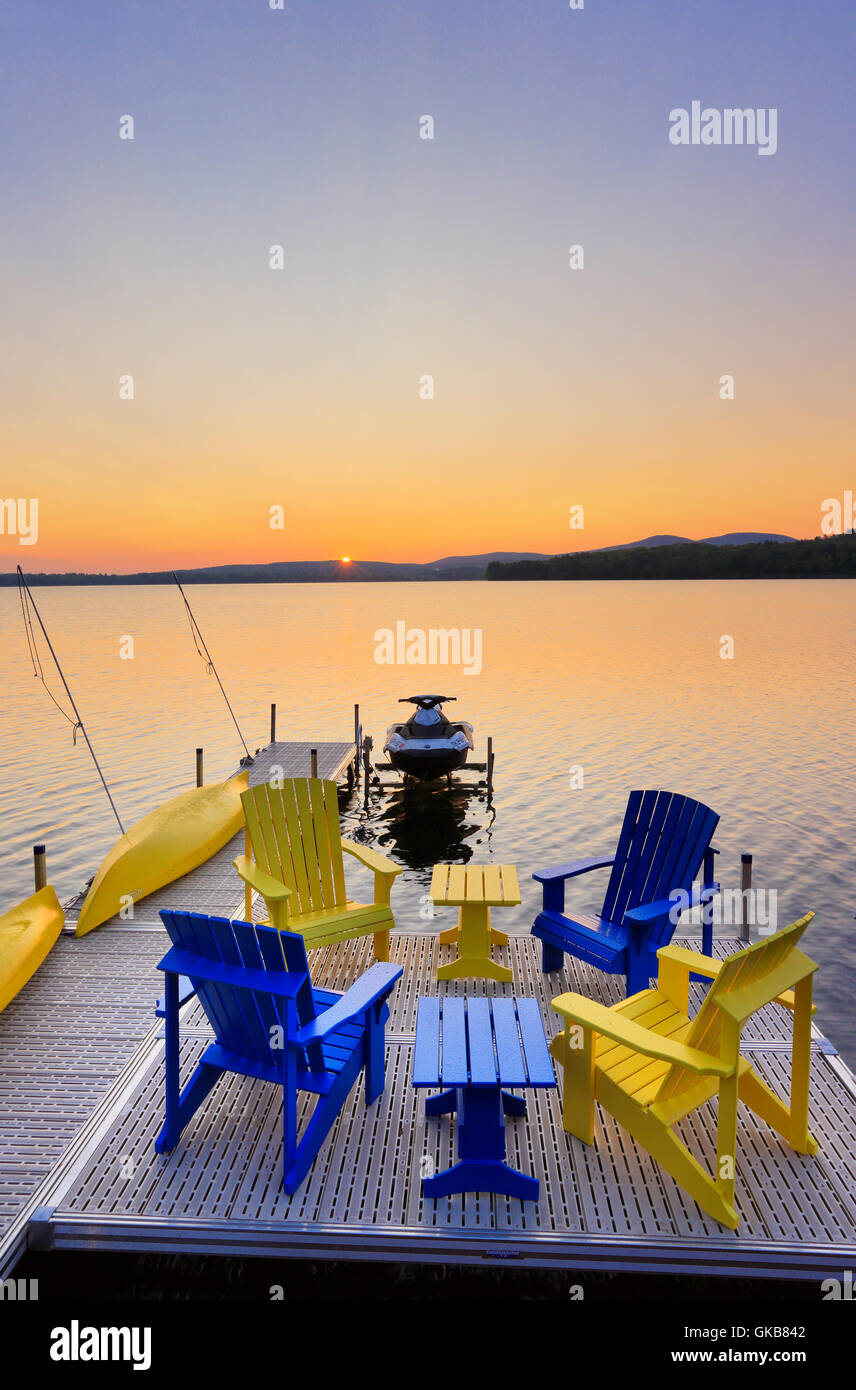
[27, 933]
[164, 845]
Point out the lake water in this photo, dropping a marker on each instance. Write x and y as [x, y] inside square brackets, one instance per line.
[625, 682]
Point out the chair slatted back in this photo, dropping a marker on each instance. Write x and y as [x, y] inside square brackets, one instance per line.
[295, 837]
[660, 849]
[247, 1021]
[748, 980]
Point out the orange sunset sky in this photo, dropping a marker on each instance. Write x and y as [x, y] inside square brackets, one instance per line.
[404, 257]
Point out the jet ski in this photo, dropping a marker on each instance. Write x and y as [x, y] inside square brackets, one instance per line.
[428, 745]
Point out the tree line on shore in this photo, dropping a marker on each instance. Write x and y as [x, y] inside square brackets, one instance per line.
[825, 557]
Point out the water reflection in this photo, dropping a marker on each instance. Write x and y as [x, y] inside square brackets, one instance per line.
[424, 824]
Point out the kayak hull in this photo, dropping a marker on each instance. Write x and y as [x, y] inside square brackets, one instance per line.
[27, 933]
[163, 846]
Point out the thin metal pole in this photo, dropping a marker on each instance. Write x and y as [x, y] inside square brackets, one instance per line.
[80, 723]
[707, 908]
[194, 627]
[199, 776]
[745, 889]
[367, 754]
[273, 723]
[40, 872]
[313, 762]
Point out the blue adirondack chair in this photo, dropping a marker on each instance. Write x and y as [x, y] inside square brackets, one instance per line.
[664, 840]
[269, 1023]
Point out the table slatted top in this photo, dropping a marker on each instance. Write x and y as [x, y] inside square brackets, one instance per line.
[456, 885]
[477, 1041]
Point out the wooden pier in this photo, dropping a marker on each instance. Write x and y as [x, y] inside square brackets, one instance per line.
[81, 1082]
[332, 761]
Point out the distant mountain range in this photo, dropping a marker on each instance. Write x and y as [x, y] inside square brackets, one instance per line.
[730, 538]
[722, 557]
[333, 571]
[300, 572]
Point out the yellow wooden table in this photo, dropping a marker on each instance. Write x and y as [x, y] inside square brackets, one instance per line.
[474, 889]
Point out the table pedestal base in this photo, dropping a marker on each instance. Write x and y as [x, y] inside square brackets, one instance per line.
[497, 937]
[474, 937]
[481, 1165]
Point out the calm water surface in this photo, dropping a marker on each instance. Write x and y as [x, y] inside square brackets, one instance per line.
[624, 681]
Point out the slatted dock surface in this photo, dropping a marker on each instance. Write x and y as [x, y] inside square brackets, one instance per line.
[66, 1038]
[606, 1206]
[295, 760]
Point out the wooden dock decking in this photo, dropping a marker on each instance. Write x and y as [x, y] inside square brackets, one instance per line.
[81, 1079]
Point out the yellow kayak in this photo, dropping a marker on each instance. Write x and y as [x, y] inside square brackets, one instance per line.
[164, 845]
[27, 933]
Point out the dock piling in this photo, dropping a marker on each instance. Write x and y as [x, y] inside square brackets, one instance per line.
[367, 766]
[707, 908]
[273, 723]
[40, 870]
[313, 762]
[489, 769]
[199, 774]
[745, 889]
[357, 741]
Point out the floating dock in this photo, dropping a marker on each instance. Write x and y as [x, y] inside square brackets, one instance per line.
[67, 1037]
[81, 1084]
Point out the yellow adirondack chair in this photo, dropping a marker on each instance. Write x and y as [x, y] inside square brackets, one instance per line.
[297, 846]
[649, 1064]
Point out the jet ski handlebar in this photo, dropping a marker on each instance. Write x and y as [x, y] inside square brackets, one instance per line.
[425, 701]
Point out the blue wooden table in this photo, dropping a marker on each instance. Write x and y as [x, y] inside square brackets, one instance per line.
[473, 1048]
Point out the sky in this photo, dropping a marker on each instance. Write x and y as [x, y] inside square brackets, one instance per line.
[404, 258]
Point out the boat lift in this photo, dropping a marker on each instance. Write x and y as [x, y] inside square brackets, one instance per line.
[396, 780]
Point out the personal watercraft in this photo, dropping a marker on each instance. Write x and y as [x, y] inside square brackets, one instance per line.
[428, 745]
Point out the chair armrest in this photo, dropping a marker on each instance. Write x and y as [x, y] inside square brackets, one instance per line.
[385, 872]
[261, 881]
[580, 866]
[376, 984]
[186, 990]
[691, 960]
[575, 1008]
[703, 965]
[787, 1001]
[650, 912]
[371, 859]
